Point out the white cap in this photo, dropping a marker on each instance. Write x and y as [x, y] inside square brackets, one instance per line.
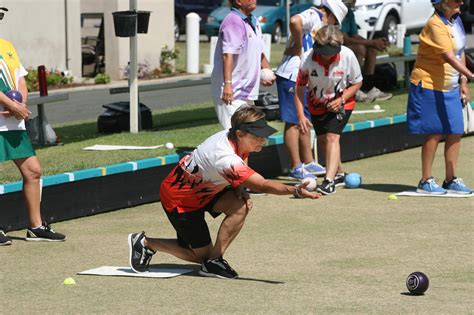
[337, 7]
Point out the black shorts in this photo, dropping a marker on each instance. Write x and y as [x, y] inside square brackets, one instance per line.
[191, 227]
[328, 123]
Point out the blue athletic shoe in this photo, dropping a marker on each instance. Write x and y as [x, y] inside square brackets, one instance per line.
[299, 172]
[430, 186]
[314, 168]
[457, 186]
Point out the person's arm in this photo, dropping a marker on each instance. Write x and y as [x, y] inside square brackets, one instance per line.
[256, 182]
[465, 92]
[227, 93]
[378, 43]
[296, 30]
[304, 125]
[19, 110]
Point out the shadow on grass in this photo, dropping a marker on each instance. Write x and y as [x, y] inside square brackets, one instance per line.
[389, 188]
[196, 268]
[179, 119]
[410, 294]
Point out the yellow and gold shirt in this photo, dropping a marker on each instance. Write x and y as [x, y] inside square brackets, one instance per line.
[11, 71]
[439, 36]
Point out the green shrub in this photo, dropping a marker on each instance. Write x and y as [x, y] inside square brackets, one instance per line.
[102, 78]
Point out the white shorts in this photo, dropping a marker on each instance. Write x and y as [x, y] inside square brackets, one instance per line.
[224, 112]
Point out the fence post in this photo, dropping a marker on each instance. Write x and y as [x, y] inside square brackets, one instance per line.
[192, 42]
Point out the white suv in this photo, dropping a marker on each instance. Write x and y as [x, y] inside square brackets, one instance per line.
[382, 16]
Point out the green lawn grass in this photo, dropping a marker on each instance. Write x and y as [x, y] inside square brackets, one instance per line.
[349, 253]
[185, 127]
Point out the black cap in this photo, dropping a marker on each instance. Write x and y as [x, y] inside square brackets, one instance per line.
[259, 128]
[326, 49]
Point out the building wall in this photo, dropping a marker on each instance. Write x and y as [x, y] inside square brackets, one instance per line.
[48, 32]
[117, 49]
[40, 35]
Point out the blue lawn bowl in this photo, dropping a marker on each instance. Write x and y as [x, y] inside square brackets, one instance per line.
[353, 180]
[15, 95]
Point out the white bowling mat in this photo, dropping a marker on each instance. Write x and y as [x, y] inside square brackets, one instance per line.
[128, 272]
[110, 147]
[368, 111]
[448, 195]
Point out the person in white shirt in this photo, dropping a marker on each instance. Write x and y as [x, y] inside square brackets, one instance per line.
[331, 74]
[303, 26]
[211, 179]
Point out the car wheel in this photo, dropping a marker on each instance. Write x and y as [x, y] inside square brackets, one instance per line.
[276, 33]
[176, 30]
[389, 29]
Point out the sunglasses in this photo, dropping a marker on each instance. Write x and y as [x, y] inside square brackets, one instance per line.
[2, 14]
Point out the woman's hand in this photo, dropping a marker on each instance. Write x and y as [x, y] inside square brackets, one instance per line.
[227, 94]
[465, 92]
[20, 111]
[304, 125]
[244, 195]
[302, 192]
[335, 105]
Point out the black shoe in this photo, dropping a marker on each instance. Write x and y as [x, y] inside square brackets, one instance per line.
[44, 234]
[140, 256]
[340, 179]
[218, 268]
[4, 239]
[327, 187]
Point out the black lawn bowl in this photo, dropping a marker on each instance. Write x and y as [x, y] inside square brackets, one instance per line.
[417, 283]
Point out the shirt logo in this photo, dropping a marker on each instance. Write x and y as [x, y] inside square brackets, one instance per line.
[10, 54]
[314, 73]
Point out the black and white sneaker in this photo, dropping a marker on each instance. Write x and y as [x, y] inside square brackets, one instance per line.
[327, 187]
[140, 256]
[218, 268]
[4, 239]
[340, 179]
[44, 233]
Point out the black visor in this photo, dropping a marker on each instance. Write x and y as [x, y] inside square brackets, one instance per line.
[259, 128]
[326, 49]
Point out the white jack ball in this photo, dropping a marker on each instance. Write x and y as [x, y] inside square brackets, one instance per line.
[377, 107]
[311, 183]
[169, 145]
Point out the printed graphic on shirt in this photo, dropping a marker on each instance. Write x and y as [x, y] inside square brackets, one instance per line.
[198, 177]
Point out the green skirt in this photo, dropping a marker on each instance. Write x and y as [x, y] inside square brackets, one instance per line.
[15, 145]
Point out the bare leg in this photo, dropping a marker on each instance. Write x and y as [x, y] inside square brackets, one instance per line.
[333, 155]
[428, 152]
[452, 147]
[30, 170]
[305, 147]
[291, 135]
[369, 62]
[236, 212]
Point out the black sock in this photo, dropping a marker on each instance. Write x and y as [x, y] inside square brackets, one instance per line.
[368, 83]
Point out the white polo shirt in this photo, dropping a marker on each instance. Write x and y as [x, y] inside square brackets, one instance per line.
[311, 22]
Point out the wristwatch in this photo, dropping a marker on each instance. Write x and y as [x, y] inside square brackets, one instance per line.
[343, 100]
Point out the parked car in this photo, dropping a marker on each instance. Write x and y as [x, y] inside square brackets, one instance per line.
[382, 16]
[271, 15]
[183, 7]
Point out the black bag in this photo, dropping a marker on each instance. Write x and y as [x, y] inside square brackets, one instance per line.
[116, 118]
[385, 77]
[268, 104]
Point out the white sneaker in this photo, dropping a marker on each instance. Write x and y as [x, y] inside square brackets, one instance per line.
[363, 97]
[378, 95]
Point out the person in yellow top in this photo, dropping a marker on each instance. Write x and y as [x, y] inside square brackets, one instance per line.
[438, 84]
[15, 144]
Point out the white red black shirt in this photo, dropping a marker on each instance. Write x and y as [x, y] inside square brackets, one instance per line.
[326, 82]
[199, 176]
